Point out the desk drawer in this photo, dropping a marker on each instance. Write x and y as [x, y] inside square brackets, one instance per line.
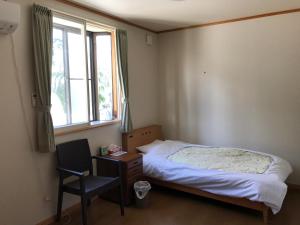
[135, 171]
[131, 181]
[134, 163]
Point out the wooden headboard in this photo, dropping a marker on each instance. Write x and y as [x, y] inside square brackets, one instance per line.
[141, 136]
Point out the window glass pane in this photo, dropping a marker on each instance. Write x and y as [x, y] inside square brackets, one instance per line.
[76, 54]
[58, 86]
[69, 85]
[104, 74]
[79, 105]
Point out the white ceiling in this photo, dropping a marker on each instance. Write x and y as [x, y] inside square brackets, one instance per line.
[161, 15]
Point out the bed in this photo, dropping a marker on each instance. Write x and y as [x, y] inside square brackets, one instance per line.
[263, 191]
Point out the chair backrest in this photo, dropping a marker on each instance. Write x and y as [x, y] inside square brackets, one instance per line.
[75, 155]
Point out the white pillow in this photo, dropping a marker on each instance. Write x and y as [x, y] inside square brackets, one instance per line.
[147, 148]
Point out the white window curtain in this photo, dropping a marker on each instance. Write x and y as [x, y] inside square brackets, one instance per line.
[42, 47]
[122, 52]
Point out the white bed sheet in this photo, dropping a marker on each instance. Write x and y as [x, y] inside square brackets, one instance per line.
[268, 187]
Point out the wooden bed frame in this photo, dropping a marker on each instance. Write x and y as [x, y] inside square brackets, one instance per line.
[146, 135]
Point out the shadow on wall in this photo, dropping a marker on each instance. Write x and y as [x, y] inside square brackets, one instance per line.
[183, 87]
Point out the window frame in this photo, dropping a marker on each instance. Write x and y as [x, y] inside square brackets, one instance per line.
[65, 31]
[94, 73]
[94, 122]
[93, 106]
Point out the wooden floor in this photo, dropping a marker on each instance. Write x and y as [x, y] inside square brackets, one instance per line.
[169, 207]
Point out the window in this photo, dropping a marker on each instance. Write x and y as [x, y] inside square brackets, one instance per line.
[84, 87]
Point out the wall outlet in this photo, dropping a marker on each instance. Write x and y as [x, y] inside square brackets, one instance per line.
[33, 99]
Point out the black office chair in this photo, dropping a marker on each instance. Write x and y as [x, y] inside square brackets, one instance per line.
[74, 158]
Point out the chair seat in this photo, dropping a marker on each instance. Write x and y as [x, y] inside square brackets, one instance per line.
[93, 183]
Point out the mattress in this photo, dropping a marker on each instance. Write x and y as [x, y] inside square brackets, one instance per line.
[224, 159]
[265, 184]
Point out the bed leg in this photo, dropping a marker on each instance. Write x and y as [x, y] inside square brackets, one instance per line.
[266, 214]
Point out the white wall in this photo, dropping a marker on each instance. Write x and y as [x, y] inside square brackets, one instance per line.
[250, 95]
[28, 177]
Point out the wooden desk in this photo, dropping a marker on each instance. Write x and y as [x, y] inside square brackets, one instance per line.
[132, 170]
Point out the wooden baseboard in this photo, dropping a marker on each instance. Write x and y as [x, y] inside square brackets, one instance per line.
[66, 211]
[52, 219]
[293, 186]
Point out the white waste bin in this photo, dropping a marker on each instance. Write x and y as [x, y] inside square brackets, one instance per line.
[142, 189]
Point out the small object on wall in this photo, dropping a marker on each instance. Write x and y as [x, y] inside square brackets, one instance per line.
[149, 39]
[47, 198]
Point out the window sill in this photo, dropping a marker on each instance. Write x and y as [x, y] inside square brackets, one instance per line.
[82, 127]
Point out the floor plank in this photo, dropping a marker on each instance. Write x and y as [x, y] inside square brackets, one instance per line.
[168, 207]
